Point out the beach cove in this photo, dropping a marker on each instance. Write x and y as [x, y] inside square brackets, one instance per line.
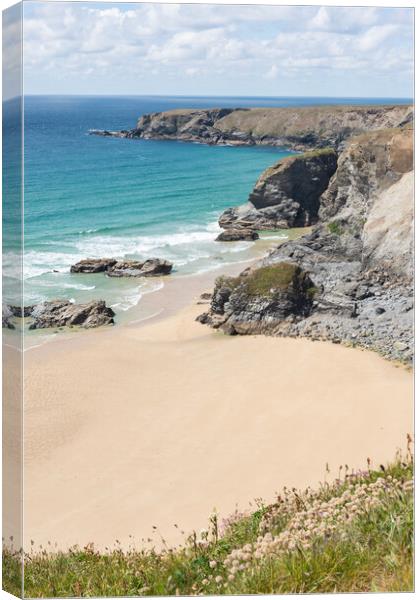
[131, 428]
[138, 432]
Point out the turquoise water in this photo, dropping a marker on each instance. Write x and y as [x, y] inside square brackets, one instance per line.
[88, 196]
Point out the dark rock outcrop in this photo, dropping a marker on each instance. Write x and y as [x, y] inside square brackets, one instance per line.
[259, 299]
[21, 311]
[10, 312]
[236, 235]
[93, 265]
[6, 317]
[62, 313]
[287, 194]
[152, 267]
[248, 217]
[106, 133]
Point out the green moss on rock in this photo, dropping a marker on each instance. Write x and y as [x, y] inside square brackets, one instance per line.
[266, 280]
[269, 280]
[334, 228]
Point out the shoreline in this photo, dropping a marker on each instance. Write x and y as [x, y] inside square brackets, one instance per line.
[176, 292]
[197, 427]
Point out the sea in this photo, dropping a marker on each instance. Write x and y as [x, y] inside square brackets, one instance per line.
[88, 196]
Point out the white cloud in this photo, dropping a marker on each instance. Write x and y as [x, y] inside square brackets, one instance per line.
[344, 19]
[272, 72]
[376, 36]
[12, 52]
[241, 44]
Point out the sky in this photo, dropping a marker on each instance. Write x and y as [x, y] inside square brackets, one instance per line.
[173, 49]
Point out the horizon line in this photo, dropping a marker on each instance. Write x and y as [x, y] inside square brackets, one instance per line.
[410, 98]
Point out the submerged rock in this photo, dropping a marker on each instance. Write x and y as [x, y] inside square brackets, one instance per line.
[236, 235]
[106, 133]
[61, 313]
[135, 268]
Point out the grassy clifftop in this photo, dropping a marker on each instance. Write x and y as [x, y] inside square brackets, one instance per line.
[278, 122]
[352, 535]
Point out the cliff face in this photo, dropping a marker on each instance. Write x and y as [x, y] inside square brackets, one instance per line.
[286, 194]
[359, 260]
[370, 164]
[298, 128]
[388, 233]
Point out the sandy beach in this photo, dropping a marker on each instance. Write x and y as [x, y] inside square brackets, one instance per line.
[131, 427]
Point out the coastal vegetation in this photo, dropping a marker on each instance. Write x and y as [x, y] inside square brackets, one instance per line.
[265, 281]
[334, 228]
[351, 534]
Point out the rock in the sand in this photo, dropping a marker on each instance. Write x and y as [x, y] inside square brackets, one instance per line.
[259, 299]
[144, 268]
[236, 235]
[10, 311]
[21, 311]
[7, 315]
[61, 313]
[93, 265]
[205, 298]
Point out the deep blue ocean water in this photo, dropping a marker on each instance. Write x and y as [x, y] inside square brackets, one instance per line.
[88, 196]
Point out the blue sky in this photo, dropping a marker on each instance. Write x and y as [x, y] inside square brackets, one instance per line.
[93, 48]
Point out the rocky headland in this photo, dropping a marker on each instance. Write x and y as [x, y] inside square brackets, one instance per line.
[288, 193]
[296, 128]
[357, 262]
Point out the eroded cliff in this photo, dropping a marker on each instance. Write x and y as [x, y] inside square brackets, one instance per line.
[286, 194]
[359, 259]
